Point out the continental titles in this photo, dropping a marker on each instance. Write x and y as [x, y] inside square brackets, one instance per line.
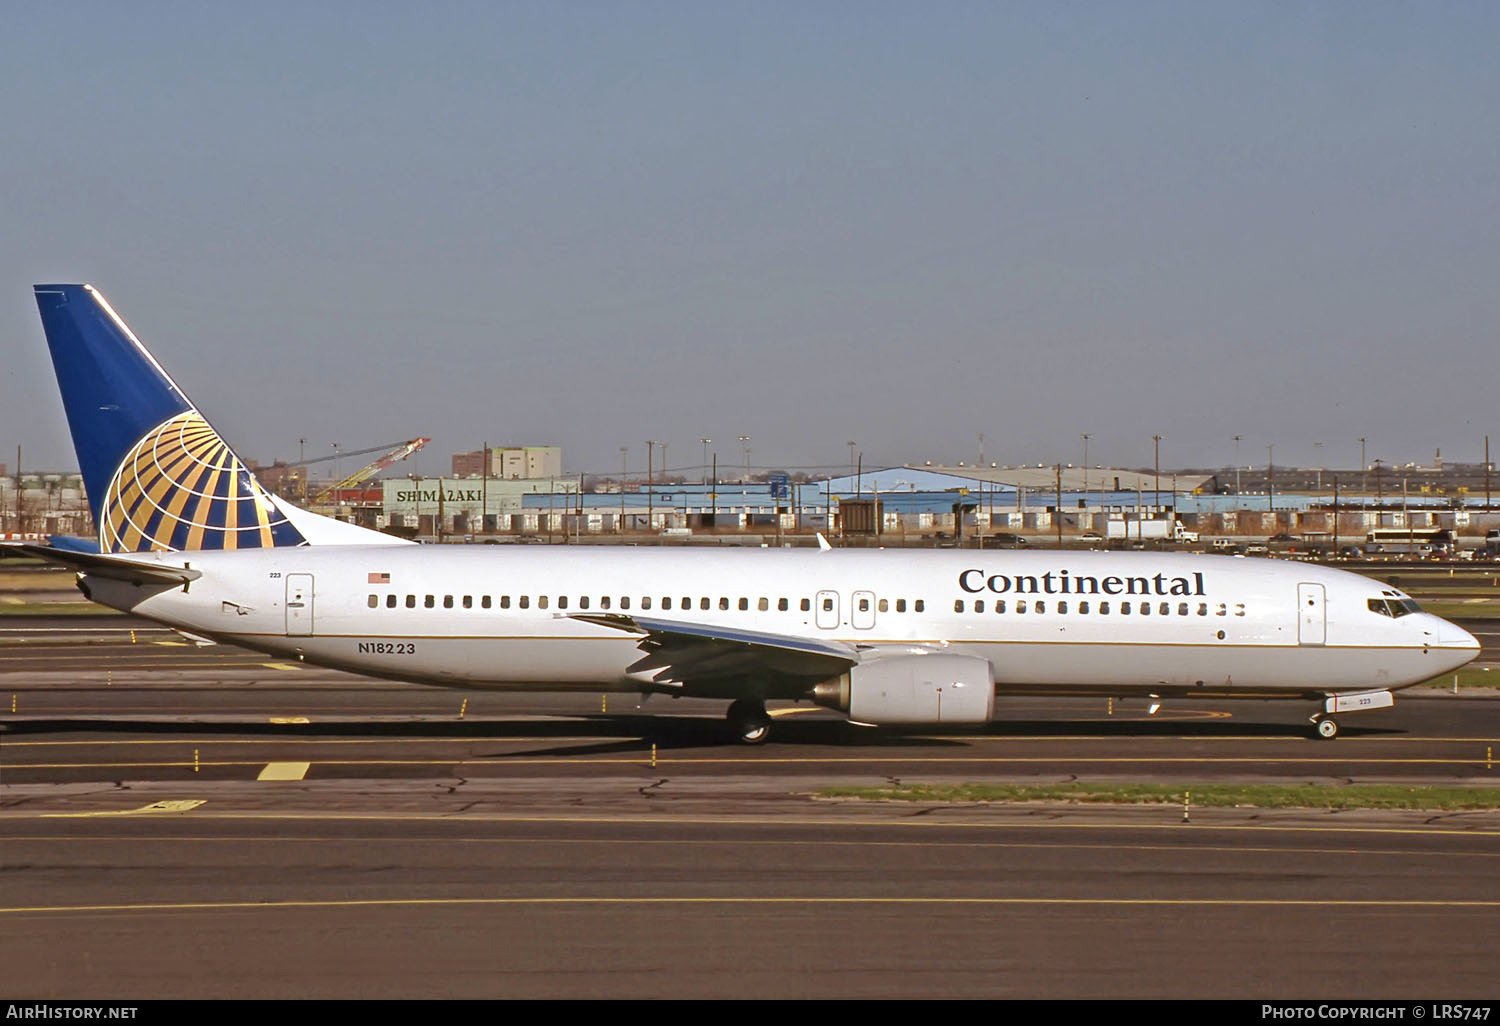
[1061, 582]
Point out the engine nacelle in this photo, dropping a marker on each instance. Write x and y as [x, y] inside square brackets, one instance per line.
[913, 689]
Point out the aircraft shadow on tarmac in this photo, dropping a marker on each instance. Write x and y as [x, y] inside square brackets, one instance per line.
[677, 733]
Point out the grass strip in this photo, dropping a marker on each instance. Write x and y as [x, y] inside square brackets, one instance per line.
[1262, 796]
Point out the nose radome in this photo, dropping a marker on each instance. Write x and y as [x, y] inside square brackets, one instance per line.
[1451, 635]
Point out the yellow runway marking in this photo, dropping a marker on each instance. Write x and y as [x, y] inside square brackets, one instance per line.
[635, 842]
[924, 822]
[870, 760]
[284, 771]
[209, 906]
[184, 805]
[279, 666]
[290, 719]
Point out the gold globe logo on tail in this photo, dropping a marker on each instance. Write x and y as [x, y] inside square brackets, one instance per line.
[182, 488]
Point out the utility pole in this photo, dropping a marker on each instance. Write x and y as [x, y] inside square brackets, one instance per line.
[745, 452]
[624, 470]
[851, 458]
[705, 442]
[1486, 471]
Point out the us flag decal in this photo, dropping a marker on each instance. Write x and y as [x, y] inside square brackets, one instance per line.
[380, 578]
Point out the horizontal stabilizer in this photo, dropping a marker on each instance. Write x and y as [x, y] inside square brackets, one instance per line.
[115, 568]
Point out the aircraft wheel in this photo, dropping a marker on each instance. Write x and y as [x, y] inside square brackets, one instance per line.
[750, 721]
[1327, 728]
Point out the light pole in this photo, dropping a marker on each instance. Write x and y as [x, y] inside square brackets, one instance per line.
[745, 452]
[1270, 481]
[1318, 448]
[851, 458]
[705, 442]
[1364, 484]
[624, 470]
[1086, 466]
[1156, 451]
[1237, 464]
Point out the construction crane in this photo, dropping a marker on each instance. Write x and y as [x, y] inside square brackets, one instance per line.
[391, 455]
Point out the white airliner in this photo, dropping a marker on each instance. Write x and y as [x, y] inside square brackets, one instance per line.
[188, 538]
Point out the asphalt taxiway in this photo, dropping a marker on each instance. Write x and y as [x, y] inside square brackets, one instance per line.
[207, 822]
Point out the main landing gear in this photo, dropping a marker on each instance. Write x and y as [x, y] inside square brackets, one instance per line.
[750, 721]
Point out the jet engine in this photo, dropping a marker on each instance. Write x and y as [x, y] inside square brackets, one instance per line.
[912, 689]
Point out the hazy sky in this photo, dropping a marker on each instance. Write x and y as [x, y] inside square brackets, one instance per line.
[590, 224]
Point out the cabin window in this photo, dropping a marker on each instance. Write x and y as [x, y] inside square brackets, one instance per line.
[723, 602]
[411, 602]
[979, 605]
[1124, 608]
[1020, 605]
[484, 602]
[583, 602]
[504, 601]
[1104, 608]
[468, 601]
[541, 601]
[1182, 609]
[1040, 605]
[1165, 609]
[918, 606]
[806, 605]
[901, 605]
[999, 605]
[604, 602]
[1145, 609]
[764, 605]
[374, 601]
[782, 605]
[885, 606]
[864, 605]
[703, 603]
[1239, 609]
[390, 601]
[1083, 606]
[525, 601]
[645, 601]
[430, 601]
[1062, 605]
[828, 605]
[666, 602]
[447, 601]
[744, 605]
[1202, 608]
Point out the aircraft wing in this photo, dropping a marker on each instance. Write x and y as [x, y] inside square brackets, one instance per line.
[701, 652]
[117, 568]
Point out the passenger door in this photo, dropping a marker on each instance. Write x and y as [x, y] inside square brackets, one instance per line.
[1312, 616]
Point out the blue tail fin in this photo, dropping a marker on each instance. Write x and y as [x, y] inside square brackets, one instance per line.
[157, 475]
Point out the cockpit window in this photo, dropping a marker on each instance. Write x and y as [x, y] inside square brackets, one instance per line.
[1393, 607]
